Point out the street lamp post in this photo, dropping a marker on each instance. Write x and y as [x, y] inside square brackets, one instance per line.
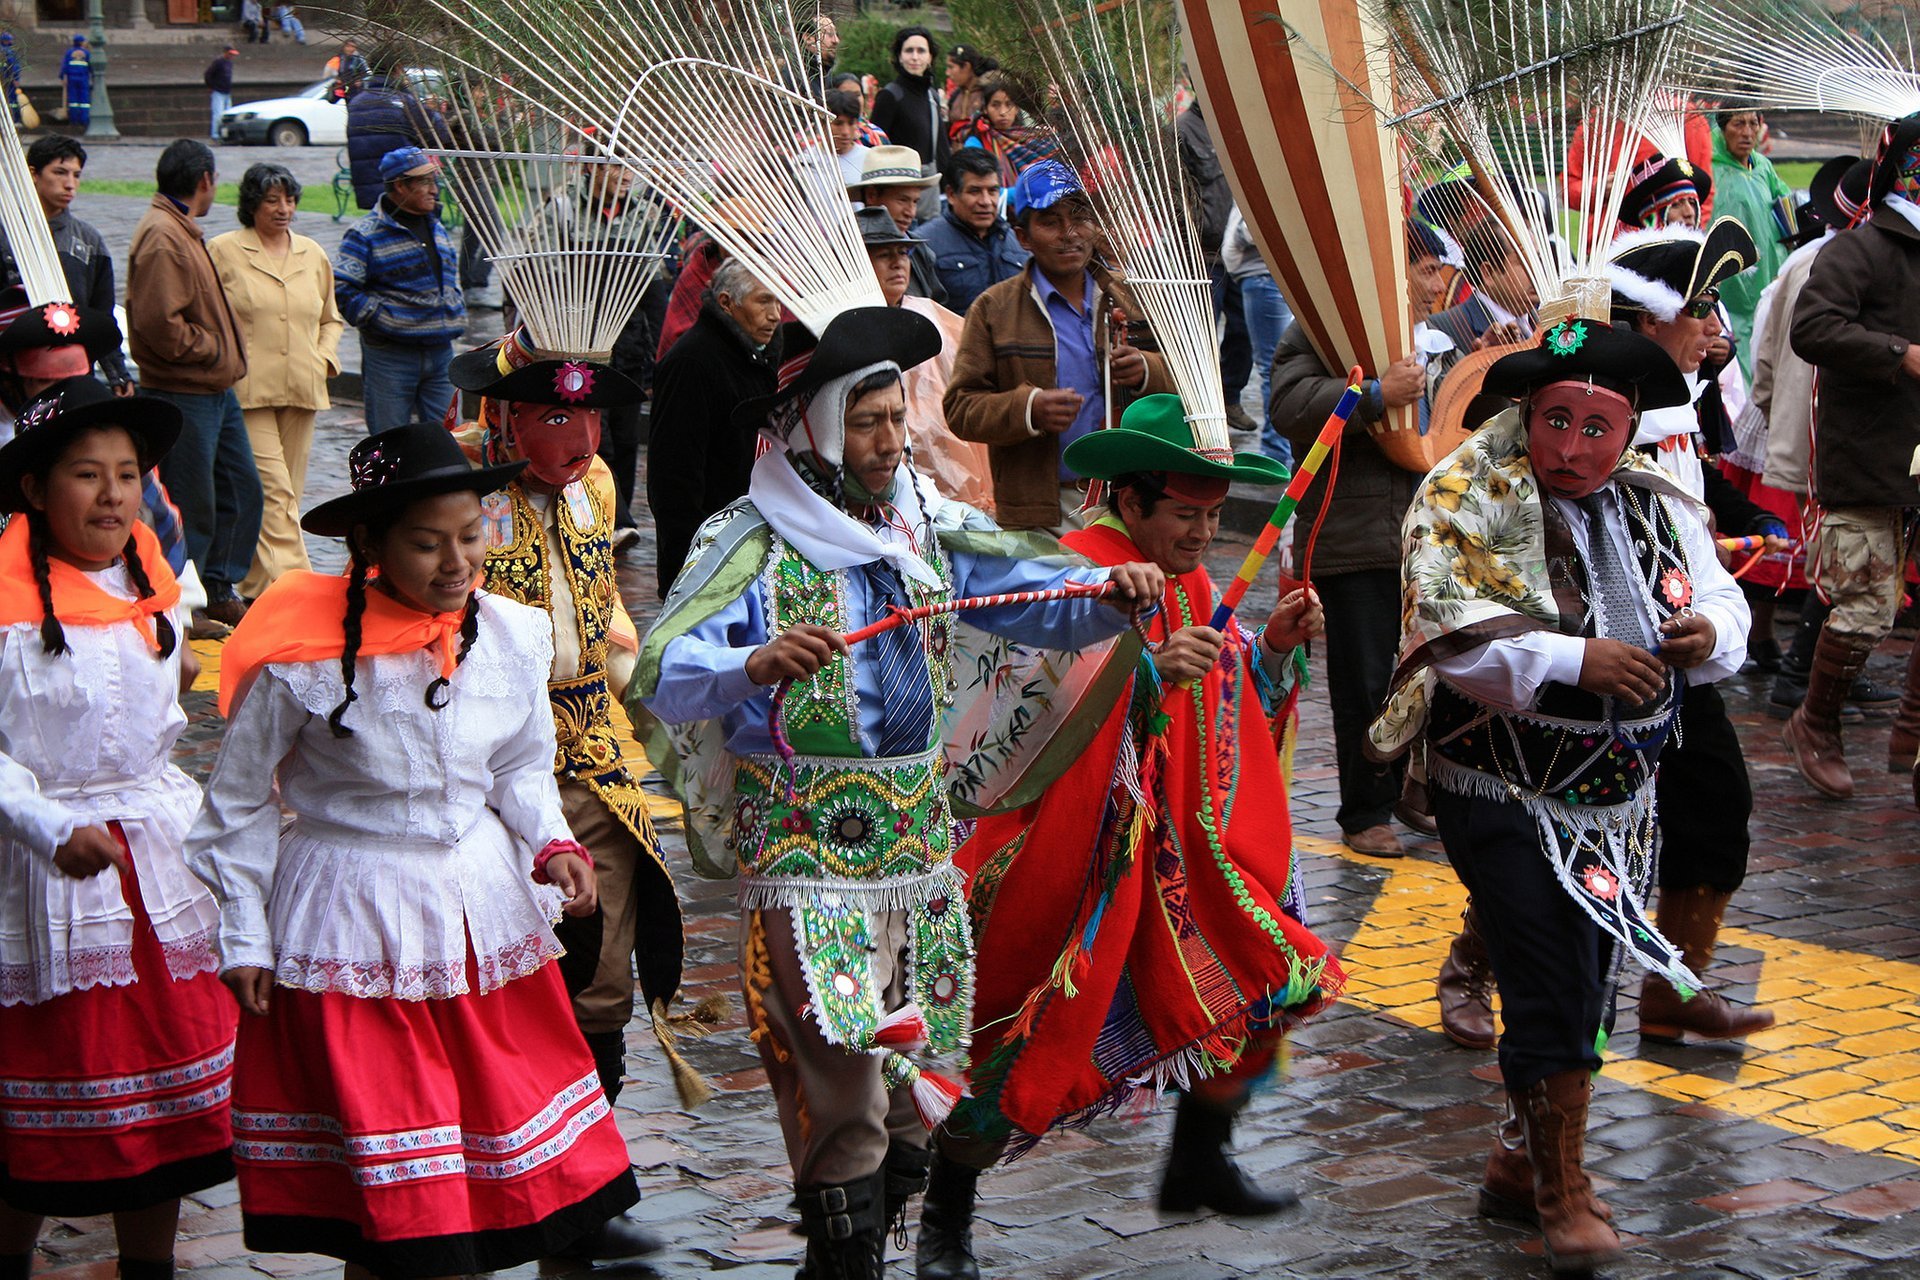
[100, 126]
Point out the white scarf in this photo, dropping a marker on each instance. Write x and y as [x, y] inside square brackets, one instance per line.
[828, 537]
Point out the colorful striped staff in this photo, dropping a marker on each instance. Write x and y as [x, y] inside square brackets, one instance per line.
[899, 617]
[1752, 542]
[1309, 466]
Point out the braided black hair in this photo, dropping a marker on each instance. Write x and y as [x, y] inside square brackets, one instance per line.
[162, 625]
[469, 632]
[350, 629]
[53, 636]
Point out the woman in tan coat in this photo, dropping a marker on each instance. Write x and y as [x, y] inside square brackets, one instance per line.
[280, 286]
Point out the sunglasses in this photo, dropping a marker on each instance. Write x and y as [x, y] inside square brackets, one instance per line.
[1702, 307]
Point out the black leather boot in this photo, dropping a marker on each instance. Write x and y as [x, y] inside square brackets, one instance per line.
[944, 1250]
[609, 1050]
[612, 1240]
[904, 1176]
[1201, 1173]
[846, 1235]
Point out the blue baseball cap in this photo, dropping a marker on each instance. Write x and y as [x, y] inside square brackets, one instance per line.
[406, 162]
[1041, 187]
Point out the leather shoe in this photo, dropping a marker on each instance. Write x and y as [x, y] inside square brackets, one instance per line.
[616, 1238]
[1414, 809]
[1378, 841]
[229, 609]
[1464, 989]
[204, 628]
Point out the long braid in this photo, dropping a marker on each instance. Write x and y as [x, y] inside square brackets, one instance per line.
[162, 625]
[469, 632]
[53, 636]
[350, 630]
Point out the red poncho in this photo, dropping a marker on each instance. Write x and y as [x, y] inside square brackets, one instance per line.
[1121, 945]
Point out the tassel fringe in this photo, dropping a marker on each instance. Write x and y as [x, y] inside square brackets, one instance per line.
[692, 1086]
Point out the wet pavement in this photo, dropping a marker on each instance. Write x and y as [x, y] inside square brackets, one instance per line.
[1798, 1155]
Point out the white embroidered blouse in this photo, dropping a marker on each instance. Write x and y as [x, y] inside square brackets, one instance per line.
[85, 739]
[408, 839]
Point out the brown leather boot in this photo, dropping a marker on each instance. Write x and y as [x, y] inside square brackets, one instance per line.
[1506, 1189]
[1812, 734]
[1465, 988]
[1553, 1115]
[1690, 919]
[1904, 746]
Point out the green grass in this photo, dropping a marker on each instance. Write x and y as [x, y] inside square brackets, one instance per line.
[1796, 173]
[315, 198]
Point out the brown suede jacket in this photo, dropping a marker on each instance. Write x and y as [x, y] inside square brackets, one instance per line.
[179, 326]
[1006, 354]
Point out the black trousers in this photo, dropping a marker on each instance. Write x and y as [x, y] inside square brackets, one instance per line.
[1705, 798]
[1236, 346]
[1550, 960]
[1363, 632]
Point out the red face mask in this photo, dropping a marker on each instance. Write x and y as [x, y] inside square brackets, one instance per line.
[558, 441]
[1576, 433]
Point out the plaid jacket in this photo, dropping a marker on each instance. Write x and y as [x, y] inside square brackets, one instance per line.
[390, 286]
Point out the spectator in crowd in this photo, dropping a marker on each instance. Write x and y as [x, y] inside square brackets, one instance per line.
[1268, 316]
[349, 71]
[1858, 322]
[190, 352]
[1039, 350]
[849, 150]
[965, 98]
[910, 106]
[219, 81]
[253, 21]
[1001, 130]
[960, 469]
[55, 163]
[280, 286]
[820, 43]
[76, 72]
[891, 179]
[1356, 566]
[1747, 188]
[385, 116]
[700, 256]
[1216, 206]
[848, 82]
[698, 457]
[397, 281]
[1500, 308]
[10, 75]
[972, 246]
[290, 23]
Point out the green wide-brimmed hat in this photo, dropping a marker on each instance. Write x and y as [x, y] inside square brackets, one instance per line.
[1154, 435]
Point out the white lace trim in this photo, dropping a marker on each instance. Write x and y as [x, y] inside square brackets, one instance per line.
[438, 980]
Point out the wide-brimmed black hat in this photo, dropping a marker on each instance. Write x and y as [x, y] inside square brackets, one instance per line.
[854, 339]
[1901, 137]
[1583, 350]
[399, 466]
[1660, 271]
[54, 324]
[1658, 182]
[1821, 212]
[576, 383]
[48, 421]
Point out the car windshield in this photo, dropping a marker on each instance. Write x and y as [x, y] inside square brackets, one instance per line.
[318, 89]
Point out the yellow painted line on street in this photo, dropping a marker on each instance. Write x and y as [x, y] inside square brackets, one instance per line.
[1843, 1062]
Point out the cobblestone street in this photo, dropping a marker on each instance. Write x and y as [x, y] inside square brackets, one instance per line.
[1798, 1155]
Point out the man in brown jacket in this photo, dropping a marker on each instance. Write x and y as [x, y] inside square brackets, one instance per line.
[188, 347]
[1028, 379]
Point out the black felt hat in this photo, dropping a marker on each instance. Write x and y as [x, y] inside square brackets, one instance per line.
[535, 379]
[1822, 210]
[399, 466]
[1582, 350]
[54, 417]
[1662, 270]
[1901, 136]
[854, 339]
[54, 324]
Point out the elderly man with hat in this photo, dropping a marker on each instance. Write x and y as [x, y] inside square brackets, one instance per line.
[1185, 957]
[890, 179]
[816, 768]
[396, 277]
[1043, 352]
[1560, 595]
[1858, 322]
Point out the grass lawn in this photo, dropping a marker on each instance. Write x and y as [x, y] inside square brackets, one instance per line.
[1796, 173]
[317, 198]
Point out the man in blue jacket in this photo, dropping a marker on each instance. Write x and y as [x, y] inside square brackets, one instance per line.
[397, 280]
[382, 117]
[973, 247]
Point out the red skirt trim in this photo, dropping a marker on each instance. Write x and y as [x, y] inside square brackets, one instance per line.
[116, 1098]
[424, 1137]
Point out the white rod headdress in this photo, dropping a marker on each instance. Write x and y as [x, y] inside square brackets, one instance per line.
[26, 224]
[1797, 57]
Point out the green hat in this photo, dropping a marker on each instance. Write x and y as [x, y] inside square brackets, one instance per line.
[1154, 435]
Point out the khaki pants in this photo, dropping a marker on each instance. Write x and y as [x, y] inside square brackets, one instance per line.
[835, 1113]
[607, 1002]
[1856, 561]
[281, 439]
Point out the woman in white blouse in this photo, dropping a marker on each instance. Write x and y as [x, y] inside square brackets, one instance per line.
[116, 1039]
[411, 1094]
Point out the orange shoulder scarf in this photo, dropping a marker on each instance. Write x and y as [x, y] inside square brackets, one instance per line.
[302, 618]
[79, 601]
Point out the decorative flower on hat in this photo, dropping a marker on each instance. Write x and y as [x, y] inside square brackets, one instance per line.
[573, 382]
[1676, 588]
[37, 413]
[1566, 337]
[1600, 882]
[369, 465]
[62, 318]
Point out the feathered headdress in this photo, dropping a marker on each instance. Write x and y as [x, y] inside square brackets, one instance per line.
[1797, 57]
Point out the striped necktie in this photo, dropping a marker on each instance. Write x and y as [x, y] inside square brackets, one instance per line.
[1620, 616]
[906, 691]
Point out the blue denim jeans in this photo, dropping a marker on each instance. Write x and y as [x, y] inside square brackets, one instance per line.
[405, 384]
[212, 479]
[219, 103]
[1268, 316]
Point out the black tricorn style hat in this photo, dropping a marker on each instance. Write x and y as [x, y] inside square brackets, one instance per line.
[54, 324]
[854, 339]
[1661, 181]
[1901, 137]
[65, 409]
[399, 466]
[532, 378]
[1582, 350]
[1660, 271]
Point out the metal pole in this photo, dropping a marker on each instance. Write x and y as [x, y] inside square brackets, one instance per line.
[100, 126]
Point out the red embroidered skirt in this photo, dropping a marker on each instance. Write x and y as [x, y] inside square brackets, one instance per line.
[115, 1098]
[424, 1137]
